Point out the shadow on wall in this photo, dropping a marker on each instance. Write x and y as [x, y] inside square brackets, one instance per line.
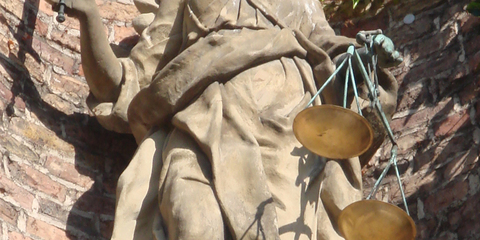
[99, 154]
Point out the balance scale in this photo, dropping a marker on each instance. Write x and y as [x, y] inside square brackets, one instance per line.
[339, 133]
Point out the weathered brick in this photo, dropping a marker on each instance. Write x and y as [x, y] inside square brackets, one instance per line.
[470, 89]
[94, 202]
[13, 6]
[404, 34]
[469, 230]
[425, 229]
[447, 236]
[448, 149]
[453, 123]
[439, 68]
[41, 28]
[36, 69]
[461, 164]
[470, 207]
[106, 229]
[59, 103]
[380, 21]
[5, 92]
[38, 135]
[44, 230]
[67, 171]
[477, 112]
[423, 116]
[441, 199]
[52, 209]
[17, 236]
[45, 7]
[414, 7]
[409, 142]
[468, 22]
[454, 218]
[413, 99]
[8, 213]
[87, 225]
[122, 32]
[430, 46]
[118, 11]
[18, 149]
[37, 180]
[474, 62]
[80, 71]
[52, 55]
[67, 40]
[17, 193]
[472, 43]
[72, 87]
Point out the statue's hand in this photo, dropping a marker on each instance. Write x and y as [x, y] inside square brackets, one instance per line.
[387, 56]
[76, 8]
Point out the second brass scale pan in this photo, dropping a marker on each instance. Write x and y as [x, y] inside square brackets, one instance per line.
[333, 132]
[375, 220]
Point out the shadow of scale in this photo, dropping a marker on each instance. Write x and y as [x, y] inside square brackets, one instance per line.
[336, 132]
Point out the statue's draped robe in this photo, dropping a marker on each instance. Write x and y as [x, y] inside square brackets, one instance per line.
[210, 93]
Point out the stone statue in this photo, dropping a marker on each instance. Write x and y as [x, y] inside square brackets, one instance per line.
[210, 92]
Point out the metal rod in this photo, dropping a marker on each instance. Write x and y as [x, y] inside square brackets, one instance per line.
[373, 97]
[393, 158]
[345, 91]
[399, 180]
[61, 11]
[385, 170]
[354, 86]
[327, 82]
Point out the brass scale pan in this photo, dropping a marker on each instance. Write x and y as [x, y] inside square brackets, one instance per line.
[338, 133]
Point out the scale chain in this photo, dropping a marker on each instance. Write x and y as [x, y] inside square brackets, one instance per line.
[393, 159]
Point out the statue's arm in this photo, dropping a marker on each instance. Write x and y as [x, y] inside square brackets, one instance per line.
[102, 69]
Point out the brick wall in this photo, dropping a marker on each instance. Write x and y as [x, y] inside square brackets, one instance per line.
[59, 167]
